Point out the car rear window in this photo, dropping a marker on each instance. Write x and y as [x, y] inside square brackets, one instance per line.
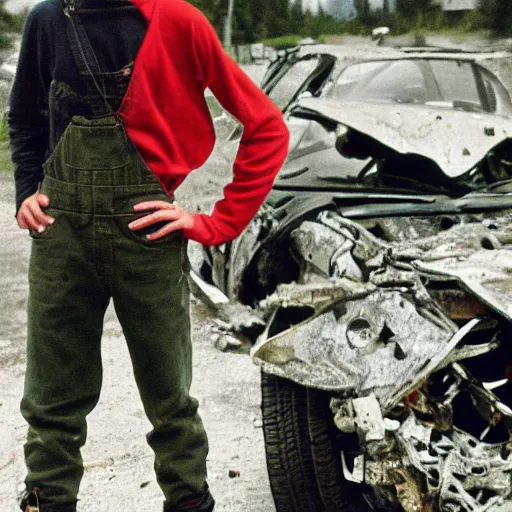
[381, 80]
[456, 80]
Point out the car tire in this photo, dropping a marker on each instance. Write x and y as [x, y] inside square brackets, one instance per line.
[303, 450]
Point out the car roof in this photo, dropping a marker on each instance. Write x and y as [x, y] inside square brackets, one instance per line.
[368, 52]
[497, 62]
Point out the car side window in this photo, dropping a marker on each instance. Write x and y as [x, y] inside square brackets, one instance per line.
[402, 81]
[394, 80]
[354, 74]
[456, 81]
[290, 82]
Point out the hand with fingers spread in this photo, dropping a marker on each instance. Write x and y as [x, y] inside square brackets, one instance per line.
[31, 213]
[174, 215]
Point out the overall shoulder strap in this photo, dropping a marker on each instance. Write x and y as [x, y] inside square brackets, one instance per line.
[85, 57]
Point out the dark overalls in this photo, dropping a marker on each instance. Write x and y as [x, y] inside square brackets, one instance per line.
[89, 255]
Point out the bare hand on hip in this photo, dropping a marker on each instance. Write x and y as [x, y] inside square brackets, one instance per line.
[31, 214]
[173, 215]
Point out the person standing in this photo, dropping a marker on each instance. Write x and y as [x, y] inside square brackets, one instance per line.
[107, 118]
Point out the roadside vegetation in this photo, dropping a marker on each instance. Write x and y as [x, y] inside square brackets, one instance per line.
[5, 155]
[493, 16]
[285, 22]
[9, 24]
[283, 42]
[282, 23]
[5, 158]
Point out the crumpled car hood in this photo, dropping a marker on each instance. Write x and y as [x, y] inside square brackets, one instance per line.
[456, 141]
[477, 255]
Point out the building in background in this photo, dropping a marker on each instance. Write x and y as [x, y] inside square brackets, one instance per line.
[460, 5]
[380, 5]
[340, 9]
[345, 9]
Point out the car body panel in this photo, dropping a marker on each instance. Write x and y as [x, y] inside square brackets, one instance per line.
[455, 141]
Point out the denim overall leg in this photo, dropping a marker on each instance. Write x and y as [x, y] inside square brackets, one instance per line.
[86, 257]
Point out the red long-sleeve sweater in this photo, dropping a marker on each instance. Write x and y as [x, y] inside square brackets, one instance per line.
[166, 115]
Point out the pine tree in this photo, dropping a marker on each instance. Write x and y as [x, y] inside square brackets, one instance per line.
[411, 8]
[499, 15]
[297, 17]
[260, 12]
[278, 19]
[243, 26]
[362, 8]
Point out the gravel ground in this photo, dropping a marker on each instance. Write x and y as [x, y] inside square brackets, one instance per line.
[119, 473]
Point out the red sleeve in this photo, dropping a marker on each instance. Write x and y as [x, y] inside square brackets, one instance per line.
[263, 147]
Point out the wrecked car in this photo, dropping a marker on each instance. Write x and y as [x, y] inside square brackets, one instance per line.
[303, 71]
[375, 289]
[429, 75]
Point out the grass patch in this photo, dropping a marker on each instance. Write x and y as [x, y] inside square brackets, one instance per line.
[5, 153]
[5, 42]
[4, 131]
[5, 158]
[281, 43]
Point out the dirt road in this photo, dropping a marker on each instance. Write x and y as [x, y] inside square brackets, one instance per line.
[119, 472]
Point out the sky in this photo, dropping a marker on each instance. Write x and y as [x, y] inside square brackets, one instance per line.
[312, 5]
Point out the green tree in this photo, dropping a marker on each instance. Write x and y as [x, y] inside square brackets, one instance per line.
[297, 17]
[260, 14]
[9, 23]
[278, 17]
[499, 15]
[362, 8]
[7, 20]
[412, 8]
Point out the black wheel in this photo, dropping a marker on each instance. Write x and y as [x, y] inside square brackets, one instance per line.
[303, 451]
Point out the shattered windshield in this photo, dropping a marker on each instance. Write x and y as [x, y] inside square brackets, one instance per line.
[436, 82]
